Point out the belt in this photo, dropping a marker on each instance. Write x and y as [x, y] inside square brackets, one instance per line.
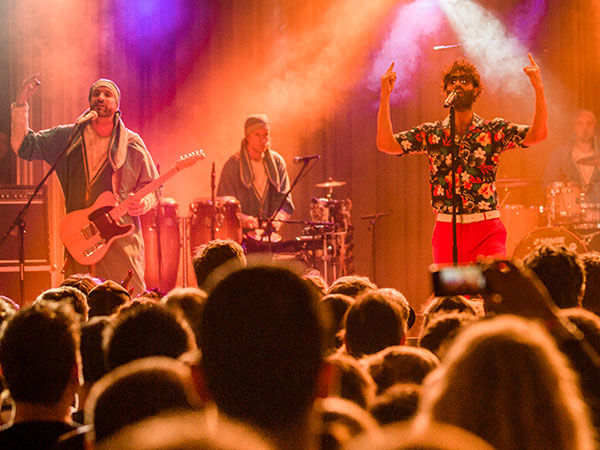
[469, 218]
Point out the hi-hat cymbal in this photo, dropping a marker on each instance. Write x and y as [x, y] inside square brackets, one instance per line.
[593, 160]
[514, 182]
[330, 184]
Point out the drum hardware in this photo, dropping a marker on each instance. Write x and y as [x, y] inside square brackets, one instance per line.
[330, 183]
[507, 183]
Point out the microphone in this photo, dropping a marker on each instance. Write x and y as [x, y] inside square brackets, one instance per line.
[299, 159]
[450, 99]
[88, 116]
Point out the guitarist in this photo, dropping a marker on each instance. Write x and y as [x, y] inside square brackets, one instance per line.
[103, 156]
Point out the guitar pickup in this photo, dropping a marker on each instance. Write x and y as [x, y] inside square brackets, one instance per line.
[90, 251]
[89, 230]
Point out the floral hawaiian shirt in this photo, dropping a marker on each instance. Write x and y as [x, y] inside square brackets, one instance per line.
[478, 154]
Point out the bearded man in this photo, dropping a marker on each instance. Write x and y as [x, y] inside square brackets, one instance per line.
[103, 156]
[479, 143]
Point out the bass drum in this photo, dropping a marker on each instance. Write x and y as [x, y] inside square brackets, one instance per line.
[548, 236]
[162, 242]
[228, 222]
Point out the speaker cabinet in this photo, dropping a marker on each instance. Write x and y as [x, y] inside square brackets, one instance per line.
[37, 279]
[37, 243]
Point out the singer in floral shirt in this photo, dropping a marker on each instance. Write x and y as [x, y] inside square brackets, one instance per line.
[478, 155]
[479, 143]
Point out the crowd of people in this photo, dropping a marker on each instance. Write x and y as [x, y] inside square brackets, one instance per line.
[266, 355]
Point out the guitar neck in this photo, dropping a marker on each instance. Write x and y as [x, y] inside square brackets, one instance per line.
[121, 209]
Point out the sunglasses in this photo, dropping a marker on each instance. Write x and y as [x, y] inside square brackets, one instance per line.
[464, 80]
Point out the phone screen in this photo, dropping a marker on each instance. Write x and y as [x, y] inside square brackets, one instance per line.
[458, 280]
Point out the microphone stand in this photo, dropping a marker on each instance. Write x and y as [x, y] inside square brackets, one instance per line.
[373, 218]
[213, 209]
[19, 220]
[269, 229]
[454, 152]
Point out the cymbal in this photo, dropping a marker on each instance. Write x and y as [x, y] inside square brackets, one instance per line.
[593, 160]
[514, 182]
[330, 184]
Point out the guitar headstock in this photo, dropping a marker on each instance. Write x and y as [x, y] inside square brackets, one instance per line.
[189, 159]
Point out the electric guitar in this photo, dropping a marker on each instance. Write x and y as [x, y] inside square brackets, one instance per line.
[88, 233]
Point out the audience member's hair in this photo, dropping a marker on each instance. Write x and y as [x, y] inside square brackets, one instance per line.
[408, 313]
[214, 254]
[404, 436]
[443, 305]
[136, 391]
[39, 349]
[71, 296]
[440, 332]
[591, 294]
[106, 298]
[7, 308]
[562, 272]
[317, 281]
[341, 420]
[351, 285]
[189, 430]
[262, 338]
[505, 380]
[373, 322]
[397, 403]
[351, 380]
[189, 302]
[147, 330]
[400, 363]
[84, 282]
[92, 352]
[337, 305]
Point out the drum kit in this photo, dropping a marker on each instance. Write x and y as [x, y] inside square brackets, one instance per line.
[325, 242]
[566, 219]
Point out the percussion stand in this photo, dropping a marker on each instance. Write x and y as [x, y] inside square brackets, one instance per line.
[213, 208]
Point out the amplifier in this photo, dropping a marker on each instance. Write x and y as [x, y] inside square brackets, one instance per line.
[37, 241]
[37, 280]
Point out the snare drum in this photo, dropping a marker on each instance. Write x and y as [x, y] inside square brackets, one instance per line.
[548, 236]
[563, 200]
[228, 222]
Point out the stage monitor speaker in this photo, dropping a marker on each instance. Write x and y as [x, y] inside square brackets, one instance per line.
[37, 280]
[37, 242]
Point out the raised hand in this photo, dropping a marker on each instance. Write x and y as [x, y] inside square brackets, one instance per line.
[534, 73]
[28, 88]
[387, 81]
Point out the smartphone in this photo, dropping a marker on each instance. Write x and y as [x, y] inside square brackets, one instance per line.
[458, 280]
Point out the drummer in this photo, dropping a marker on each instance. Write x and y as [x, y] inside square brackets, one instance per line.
[577, 161]
[257, 176]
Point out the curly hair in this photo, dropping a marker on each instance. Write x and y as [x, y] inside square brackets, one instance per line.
[462, 66]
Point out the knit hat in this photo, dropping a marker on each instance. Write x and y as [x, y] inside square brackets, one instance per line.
[256, 122]
[109, 84]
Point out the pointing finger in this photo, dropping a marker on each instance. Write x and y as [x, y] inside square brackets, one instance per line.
[391, 67]
[531, 60]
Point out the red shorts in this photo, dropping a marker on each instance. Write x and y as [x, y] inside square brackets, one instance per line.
[485, 238]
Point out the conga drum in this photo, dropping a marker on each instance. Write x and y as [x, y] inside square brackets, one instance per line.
[227, 220]
[162, 242]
